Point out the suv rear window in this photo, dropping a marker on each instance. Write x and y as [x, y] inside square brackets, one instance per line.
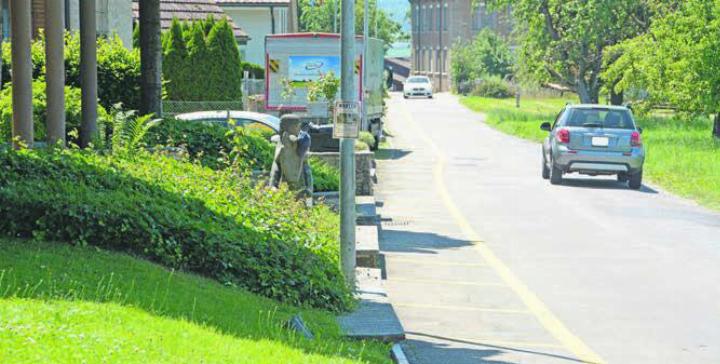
[600, 118]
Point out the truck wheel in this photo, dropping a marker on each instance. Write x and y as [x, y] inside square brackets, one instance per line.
[635, 181]
[555, 175]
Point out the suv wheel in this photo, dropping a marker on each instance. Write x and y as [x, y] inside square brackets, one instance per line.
[555, 175]
[545, 169]
[635, 181]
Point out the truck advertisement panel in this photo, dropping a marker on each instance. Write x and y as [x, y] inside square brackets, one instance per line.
[305, 69]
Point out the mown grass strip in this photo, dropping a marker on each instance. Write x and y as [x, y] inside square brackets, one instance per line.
[67, 304]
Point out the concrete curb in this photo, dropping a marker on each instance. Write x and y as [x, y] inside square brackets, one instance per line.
[398, 355]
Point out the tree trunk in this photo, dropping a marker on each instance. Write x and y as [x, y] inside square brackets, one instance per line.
[587, 94]
[716, 126]
[616, 98]
[150, 57]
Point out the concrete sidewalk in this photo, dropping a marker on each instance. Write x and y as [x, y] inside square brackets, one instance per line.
[454, 307]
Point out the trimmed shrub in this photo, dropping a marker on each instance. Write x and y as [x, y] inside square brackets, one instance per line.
[325, 176]
[118, 68]
[493, 87]
[205, 143]
[178, 214]
[202, 61]
[225, 77]
[73, 112]
[216, 147]
[255, 71]
[367, 138]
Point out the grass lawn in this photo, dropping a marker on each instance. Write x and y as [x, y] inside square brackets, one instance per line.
[681, 154]
[66, 304]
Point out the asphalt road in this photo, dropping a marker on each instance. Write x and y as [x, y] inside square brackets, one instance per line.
[489, 263]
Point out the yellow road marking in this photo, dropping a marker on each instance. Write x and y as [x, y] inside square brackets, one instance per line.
[437, 281]
[462, 308]
[432, 262]
[546, 318]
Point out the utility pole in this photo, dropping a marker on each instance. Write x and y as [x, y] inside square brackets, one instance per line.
[347, 146]
[335, 9]
[366, 23]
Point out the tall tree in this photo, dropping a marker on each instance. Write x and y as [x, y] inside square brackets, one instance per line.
[175, 62]
[677, 60]
[150, 57]
[319, 16]
[226, 75]
[563, 41]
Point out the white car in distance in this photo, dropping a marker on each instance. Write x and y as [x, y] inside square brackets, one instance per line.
[417, 86]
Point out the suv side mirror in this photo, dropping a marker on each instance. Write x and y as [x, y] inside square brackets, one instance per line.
[640, 130]
[545, 126]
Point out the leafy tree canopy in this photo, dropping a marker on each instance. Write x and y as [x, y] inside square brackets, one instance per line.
[318, 16]
[563, 41]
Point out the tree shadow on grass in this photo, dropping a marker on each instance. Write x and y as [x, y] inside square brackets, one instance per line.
[75, 201]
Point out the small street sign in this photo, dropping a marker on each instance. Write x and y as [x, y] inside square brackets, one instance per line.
[346, 117]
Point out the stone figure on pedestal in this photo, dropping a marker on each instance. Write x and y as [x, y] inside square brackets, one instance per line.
[291, 157]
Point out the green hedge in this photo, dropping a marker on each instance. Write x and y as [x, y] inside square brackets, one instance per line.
[178, 214]
[213, 146]
[73, 112]
[202, 61]
[118, 68]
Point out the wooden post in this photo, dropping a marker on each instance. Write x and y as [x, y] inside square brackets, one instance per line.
[22, 130]
[55, 65]
[88, 71]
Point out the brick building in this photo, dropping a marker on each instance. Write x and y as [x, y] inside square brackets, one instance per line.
[438, 24]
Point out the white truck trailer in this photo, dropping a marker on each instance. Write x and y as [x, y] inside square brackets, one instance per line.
[296, 59]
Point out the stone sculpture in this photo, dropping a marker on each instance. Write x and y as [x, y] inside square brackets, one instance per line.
[291, 157]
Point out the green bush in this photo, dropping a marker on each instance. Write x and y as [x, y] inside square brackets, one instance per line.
[205, 142]
[216, 147]
[118, 68]
[367, 138]
[73, 112]
[325, 176]
[252, 149]
[256, 71]
[492, 87]
[215, 223]
[486, 55]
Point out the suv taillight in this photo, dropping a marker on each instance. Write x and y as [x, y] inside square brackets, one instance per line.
[635, 139]
[563, 136]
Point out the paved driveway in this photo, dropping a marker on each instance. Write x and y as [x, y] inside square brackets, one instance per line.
[488, 263]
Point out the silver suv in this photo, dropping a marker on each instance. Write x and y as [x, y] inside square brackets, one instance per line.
[593, 140]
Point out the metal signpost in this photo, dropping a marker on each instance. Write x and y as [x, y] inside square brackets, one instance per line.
[347, 145]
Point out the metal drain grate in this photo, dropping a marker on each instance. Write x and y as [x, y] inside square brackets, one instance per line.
[395, 221]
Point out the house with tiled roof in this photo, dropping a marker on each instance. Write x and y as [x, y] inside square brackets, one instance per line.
[188, 10]
[258, 18]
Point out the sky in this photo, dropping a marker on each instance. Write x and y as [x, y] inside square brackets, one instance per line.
[397, 8]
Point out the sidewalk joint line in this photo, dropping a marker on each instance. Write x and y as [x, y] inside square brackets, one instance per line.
[537, 307]
[463, 308]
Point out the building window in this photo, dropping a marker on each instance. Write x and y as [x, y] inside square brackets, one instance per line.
[438, 16]
[445, 17]
[431, 26]
[414, 24]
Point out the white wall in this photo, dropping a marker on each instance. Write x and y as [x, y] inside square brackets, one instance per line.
[257, 23]
[113, 16]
